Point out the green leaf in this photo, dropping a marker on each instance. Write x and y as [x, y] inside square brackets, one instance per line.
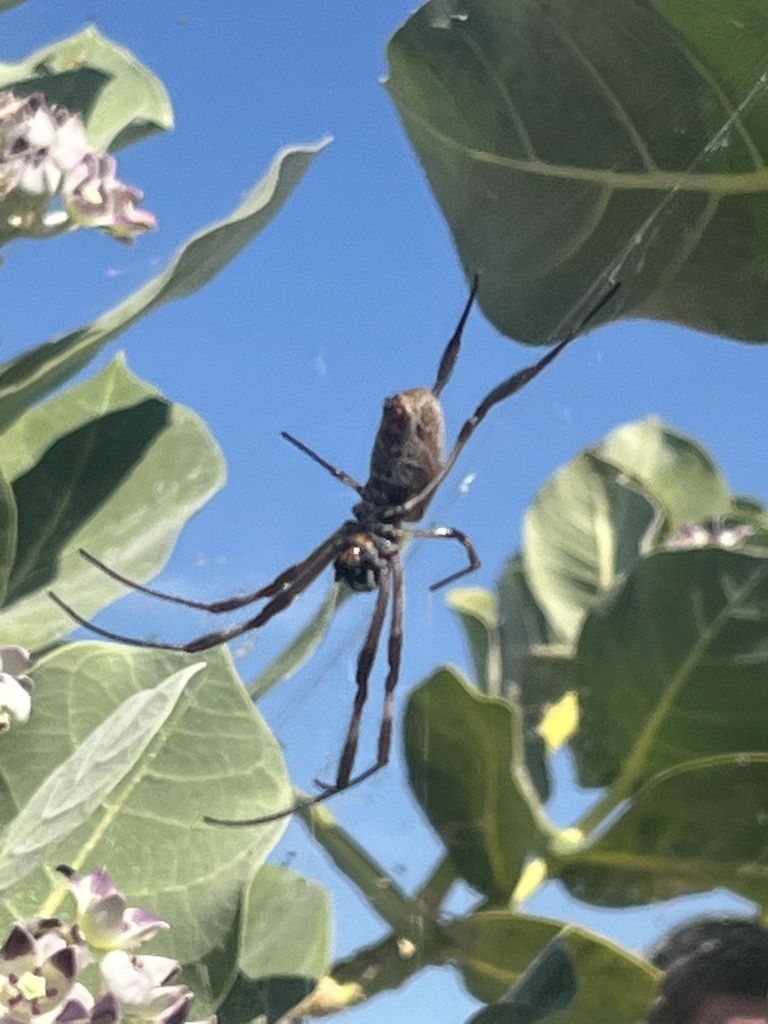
[672, 666]
[29, 377]
[106, 451]
[76, 89]
[120, 100]
[281, 949]
[675, 471]
[214, 755]
[263, 1002]
[286, 926]
[548, 985]
[567, 140]
[494, 950]
[479, 617]
[688, 830]
[302, 646]
[461, 757]
[523, 631]
[584, 529]
[82, 783]
[8, 522]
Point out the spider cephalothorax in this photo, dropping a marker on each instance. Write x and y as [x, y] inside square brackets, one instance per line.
[407, 467]
[359, 565]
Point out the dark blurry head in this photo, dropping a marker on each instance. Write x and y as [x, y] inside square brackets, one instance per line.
[715, 972]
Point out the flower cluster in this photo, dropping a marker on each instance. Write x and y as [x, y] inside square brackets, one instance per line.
[15, 687]
[44, 153]
[714, 533]
[40, 965]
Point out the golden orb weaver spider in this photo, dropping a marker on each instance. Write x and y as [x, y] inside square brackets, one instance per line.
[407, 467]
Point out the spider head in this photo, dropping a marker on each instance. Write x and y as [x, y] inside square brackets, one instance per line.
[359, 563]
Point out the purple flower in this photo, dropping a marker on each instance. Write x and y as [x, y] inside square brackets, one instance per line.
[36, 976]
[103, 916]
[141, 985]
[95, 198]
[45, 154]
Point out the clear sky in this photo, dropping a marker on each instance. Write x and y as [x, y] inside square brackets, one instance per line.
[347, 297]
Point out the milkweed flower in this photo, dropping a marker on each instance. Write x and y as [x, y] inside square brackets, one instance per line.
[142, 986]
[36, 976]
[39, 965]
[103, 916]
[45, 155]
[15, 686]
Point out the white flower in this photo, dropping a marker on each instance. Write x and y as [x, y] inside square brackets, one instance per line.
[36, 976]
[103, 915]
[15, 687]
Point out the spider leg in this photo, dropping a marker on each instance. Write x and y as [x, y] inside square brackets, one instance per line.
[448, 360]
[498, 394]
[291, 583]
[362, 675]
[344, 778]
[451, 533]
[345, 478]
[215, 607]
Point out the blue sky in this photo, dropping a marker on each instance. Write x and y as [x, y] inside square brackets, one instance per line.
[347, 297]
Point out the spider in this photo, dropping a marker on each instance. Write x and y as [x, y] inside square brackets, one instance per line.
[407, 467]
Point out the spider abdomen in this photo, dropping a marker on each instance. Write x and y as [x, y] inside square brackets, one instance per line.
[408, 451]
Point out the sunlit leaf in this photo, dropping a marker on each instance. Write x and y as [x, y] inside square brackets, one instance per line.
[109, 450]
[82, 783]
[214, 755]
[121, 100]
[675, 471]
[286, 926]
[583, 530]
[568, 140]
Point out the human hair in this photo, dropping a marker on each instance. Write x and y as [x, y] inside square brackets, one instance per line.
[713, 955]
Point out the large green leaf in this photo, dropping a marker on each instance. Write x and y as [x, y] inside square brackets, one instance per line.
[460, 748]
[31, 376]
[81, 784]
[672, 667]
[691, 829]
[583, 530]
[678, 474]
[494, 949]
[576, 138]
[107, 451]
[120, 100]
[284, 946]
[213, 755]
[286, 926]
